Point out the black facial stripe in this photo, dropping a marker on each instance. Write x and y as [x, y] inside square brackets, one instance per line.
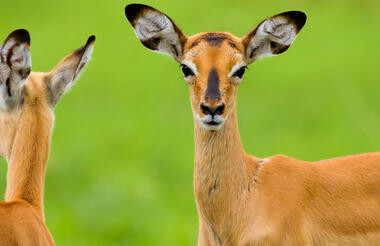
[213, 39]
[212, 91]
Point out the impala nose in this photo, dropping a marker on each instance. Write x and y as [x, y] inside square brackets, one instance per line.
[207, 110]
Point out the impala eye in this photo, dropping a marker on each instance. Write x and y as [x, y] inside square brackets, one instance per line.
[187, 71]
[239, 73]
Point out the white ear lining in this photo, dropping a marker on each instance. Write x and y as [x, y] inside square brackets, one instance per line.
[152, 24]
[68, 70]
[63, 78]
[279, 29]
[15, 66]
[159, 33]
[5, 48]
[276, 29]
[20, 57]
[86, 57]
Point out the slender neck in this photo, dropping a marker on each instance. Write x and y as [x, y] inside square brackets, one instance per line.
[28, 156]
[220, 170]
[223, 144]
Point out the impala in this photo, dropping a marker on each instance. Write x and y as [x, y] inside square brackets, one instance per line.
[245, 200]
[27, 100]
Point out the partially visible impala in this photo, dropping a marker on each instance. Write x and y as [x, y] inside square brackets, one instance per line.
[27, 100]
[245, 200]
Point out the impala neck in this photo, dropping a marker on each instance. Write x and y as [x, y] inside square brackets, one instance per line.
[28, 156]
[220, 170]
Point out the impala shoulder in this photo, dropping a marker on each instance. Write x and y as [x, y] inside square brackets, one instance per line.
[282, 159]
[24, 222]
[17, 212]
[285, 168]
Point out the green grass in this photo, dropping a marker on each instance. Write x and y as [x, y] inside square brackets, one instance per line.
[120, 171]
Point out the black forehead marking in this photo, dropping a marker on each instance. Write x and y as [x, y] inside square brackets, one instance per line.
[212, 91]
[213, 39]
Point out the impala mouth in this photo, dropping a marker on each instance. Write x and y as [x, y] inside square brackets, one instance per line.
[211, 122]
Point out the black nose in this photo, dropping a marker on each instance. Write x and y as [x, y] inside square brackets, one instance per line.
[218, 110]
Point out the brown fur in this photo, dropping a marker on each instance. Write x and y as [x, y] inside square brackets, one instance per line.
[247, 201]
[289, 202]
[25, 136]
[243, 200]
[25, 133]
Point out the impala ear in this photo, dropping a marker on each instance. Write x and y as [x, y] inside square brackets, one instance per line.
[15, 60]
[61, 78]
[15, 65]
[274, 35]
[156, 30]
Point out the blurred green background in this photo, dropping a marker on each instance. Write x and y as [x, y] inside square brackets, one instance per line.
[120, 171]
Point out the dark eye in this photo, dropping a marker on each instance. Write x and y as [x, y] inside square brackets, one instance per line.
[187, 71]
[239, 73]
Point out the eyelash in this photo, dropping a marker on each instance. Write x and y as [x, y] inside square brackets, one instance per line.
[239, 73]
[186, 71]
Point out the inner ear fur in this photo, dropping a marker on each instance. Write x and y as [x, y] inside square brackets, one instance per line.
[273, 35]
[156, 30]
[15, 64]
[15, 50]
[61, 78]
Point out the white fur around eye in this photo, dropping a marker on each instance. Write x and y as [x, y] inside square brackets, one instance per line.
[192, 66]
[236, 67]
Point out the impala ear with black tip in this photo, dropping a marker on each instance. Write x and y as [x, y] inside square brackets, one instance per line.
[274, 35]
[15, 66]
[62, 77]
[155, 30]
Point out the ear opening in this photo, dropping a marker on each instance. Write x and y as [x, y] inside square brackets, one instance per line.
[274, 35]
[155, 30]
[62, 77]
[15, 66]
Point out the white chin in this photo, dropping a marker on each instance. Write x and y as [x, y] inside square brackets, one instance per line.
[204, 122]
[211, 127]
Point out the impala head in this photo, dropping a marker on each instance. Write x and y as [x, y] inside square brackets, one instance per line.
[25, 94]
[213, 63]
